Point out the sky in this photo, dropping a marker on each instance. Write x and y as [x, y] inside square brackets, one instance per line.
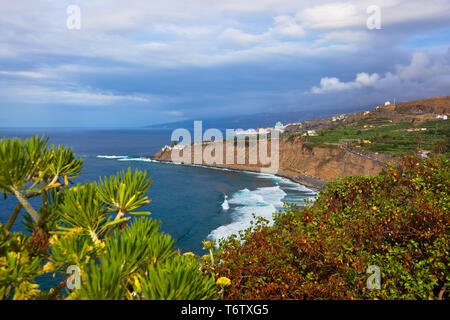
[112, 63]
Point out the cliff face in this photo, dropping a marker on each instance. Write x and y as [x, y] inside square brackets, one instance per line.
[296, 158]
[311, 166]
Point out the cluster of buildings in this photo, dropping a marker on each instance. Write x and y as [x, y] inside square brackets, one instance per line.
[337, 118]
[175, 147]
[253, 132]
[416, 129]
[310, 133]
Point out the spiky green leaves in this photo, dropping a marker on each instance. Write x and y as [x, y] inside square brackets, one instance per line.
[126, 192]
[89, 206]
[64, 164]
[138, 246]
[103, 282]
[21, 161]
[73, 248]
[177, 279]
[83, 208]
[136, 263]
[29, 168]
[26, 163]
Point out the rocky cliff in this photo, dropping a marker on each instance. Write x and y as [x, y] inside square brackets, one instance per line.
[311, 166]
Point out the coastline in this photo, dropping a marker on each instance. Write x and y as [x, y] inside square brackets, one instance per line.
[299, 162]
[315, 184]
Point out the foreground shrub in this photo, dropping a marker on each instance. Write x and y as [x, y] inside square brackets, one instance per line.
[397, 221]
[86, 229]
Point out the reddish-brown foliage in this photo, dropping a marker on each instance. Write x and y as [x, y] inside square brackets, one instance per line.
[398, 221]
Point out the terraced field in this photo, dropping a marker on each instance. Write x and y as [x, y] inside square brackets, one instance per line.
[383, 136]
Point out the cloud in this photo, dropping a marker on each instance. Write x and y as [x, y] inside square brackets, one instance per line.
[215, 57]
[363, 79]
[283, 25]
[176, 34]
[287, 26]
[35, 94]
[26, 74]
[332, 16]
[424, 74]
[175, 113]
[239, 37]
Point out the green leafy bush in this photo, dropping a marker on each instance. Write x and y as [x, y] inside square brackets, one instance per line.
[398, 221]
[87, 228]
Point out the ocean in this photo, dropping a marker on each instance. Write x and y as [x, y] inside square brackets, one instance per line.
[193, 203]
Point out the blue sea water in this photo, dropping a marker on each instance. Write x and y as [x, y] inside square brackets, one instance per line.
[193, 203]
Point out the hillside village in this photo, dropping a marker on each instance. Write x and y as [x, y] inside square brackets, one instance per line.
[391, 111]
[388, 110]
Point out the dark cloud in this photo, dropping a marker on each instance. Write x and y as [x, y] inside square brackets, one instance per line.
[138, 63]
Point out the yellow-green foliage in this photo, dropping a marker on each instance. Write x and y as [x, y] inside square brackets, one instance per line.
[87, 226]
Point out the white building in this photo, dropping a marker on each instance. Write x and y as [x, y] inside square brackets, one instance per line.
[252, 132]
[279, 127]
[175, 147]
[249, 132]
[311, 133]
[416, 129]
[179, 147]
[442, 116]
[336, 118]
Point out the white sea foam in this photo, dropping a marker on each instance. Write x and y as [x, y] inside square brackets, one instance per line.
[225, 204]
[112, 157]
[137, 159]
[286, 183]
[127, 158]
[262, 201]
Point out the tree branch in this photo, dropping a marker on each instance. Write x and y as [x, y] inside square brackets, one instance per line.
[23, 200]
[17, 209]
[13, 217]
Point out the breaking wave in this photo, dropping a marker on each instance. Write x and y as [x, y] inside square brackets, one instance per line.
[225, 204]
[262, 201]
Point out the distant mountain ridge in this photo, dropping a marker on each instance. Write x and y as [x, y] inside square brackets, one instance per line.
[436, 105]
[260, 120]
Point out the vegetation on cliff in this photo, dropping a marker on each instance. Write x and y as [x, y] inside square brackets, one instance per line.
[380, 134]
[397, 221]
